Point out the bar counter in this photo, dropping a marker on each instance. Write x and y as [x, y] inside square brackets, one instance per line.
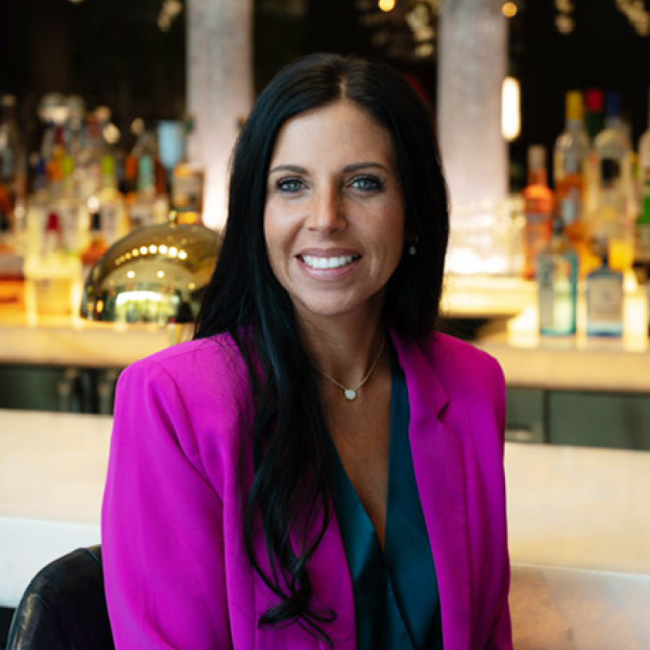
[528, 360]
[508, 304]
[568, 507]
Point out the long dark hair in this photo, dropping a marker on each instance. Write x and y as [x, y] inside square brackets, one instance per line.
[290, 492]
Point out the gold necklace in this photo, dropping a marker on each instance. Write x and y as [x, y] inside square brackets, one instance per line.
[352, 393]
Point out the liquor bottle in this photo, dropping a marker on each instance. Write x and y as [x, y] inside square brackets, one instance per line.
[613, 220]
[187, 184]
[644, 153]
[98, 245]
[12, 277]
[129, 182]
[594, 124]
[569, 170]
[150, 205]
[97, 149]
[642, 227]
[557, 277]
[641, 264]
[605, 299]
[59, 162]
[594, 116]
[538, 211]
[12, 162]
[142, 210]
[62, 193]
[110, 203]
[54, 270]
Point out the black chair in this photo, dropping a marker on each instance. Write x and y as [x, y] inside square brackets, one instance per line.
[64, 607]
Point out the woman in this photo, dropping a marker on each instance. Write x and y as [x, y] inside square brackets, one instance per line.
[318, 468]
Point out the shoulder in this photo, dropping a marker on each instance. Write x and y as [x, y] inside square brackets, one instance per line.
[193, 361]
[193, 377]
[197, 353]
[453, 357]
[465, 373]
[449, 358]
[191, 399]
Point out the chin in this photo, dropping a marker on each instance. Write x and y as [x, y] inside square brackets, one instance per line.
[336, 307]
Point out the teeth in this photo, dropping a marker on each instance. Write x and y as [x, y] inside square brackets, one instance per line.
[328, 262]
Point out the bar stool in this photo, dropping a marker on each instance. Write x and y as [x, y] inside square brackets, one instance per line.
[64, 607]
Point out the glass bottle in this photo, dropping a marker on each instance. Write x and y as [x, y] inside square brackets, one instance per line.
[12, 162]
[557, 277]
[149, 205]
[12, 277]
[594, 114]
[538, 211]
[642, 226]
[605, 299]
[594, 124]
[187, 184]
[613, 220]
[98, 245]
[569, 170]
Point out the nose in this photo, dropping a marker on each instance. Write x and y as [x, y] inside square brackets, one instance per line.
[326, 211]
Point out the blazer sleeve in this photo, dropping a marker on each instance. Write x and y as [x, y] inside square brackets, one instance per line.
[162, 523]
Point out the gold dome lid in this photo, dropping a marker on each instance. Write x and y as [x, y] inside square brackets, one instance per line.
[156, 274]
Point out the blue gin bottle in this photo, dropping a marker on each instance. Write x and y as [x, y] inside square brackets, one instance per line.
[605, 300]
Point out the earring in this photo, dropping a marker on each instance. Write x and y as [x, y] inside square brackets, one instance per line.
[413, 248]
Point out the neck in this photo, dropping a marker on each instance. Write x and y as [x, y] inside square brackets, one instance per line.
[345, 348]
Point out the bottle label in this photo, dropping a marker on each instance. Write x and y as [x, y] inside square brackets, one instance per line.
[570, 207]
[142, 215]
[605, 299]
[536, 236]
[610, 169]
[187, 191]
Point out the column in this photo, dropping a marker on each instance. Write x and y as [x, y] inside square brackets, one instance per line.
[219, 90]
[472, 65]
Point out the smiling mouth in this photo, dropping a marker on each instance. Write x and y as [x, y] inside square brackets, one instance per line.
[328, 262]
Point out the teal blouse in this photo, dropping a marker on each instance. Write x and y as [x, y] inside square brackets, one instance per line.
[395, 590]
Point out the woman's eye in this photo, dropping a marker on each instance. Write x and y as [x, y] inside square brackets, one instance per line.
[289, 184]
[367, 183]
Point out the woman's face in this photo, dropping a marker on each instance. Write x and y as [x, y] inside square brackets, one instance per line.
[334, 215]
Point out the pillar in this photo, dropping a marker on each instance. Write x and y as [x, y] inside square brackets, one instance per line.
[472, 66]
[219, 90]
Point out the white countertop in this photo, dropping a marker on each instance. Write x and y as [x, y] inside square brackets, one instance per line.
[579, 507]
[568, 507]
[52, 473]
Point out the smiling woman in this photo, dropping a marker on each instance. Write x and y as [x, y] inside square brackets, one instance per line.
[320, 466]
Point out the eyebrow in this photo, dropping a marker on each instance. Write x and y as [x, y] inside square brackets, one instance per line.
[347, 169]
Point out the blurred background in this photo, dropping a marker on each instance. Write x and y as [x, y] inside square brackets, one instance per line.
[131, 56]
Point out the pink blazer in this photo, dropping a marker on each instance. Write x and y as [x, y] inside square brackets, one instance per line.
[176, 572]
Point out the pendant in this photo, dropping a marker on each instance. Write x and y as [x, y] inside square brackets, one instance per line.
[350, 394]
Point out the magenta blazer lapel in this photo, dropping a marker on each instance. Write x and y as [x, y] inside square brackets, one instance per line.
[440, 475]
